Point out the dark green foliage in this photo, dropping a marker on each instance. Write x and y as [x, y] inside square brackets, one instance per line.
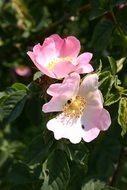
[56, 171]
[102, 35]
[30, 157]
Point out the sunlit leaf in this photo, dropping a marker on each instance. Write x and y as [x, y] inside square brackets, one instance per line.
[120, 63]
[93, 185]
[112, 65]
[122, 115]
[112, 99]
[106, 83]
[37, 75]
[19, 86]
[96, 185]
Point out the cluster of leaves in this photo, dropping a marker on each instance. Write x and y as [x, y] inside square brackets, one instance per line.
[30, 158]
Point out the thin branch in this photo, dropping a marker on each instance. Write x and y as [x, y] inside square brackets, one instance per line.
[120, 164]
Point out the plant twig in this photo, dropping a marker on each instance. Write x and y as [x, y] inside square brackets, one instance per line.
[119, 167]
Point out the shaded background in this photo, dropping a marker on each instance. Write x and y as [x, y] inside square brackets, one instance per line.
[101, 27]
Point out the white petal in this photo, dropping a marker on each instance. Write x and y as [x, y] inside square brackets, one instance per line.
[65, 127]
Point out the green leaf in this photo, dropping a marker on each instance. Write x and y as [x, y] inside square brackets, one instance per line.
[19, 86]
[96, 185]
[113, 65]
[120, 63]
[20, 174]
[122, 115]
[37, 151]
[2, 94]
[112, 99]
[37, 75]
[79, 154]
[93, 185]
[106, 82]
[102, 35]
[12, 105]
[3, 157]
[57, 172]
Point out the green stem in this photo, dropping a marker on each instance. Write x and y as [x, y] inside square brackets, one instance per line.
[120, 164]
[119, 168]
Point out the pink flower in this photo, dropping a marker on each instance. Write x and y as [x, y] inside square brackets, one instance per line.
[82, 115]
[58, 57]
[23, 71]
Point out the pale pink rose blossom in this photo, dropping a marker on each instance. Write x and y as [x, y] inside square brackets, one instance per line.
[58, 57]
[82, 115]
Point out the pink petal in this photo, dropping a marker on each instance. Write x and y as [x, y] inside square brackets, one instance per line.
[45, 54]
[58, 42]
[94, 98]
[89, 84]
[70, 47]
[95, 117]
[40, 66]
[32, 56]
[84, 58]
[69, 87]
[90, 134]
[81, 69]
[105, 120]
[63, 69]
[55, 104]
[41, 56]
[82, 63]
[64, 127]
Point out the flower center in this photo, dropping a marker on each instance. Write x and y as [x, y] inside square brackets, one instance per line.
[57, 60]
[74, 107]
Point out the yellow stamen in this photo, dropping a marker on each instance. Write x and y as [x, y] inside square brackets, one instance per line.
[74, 107]
[55, 61]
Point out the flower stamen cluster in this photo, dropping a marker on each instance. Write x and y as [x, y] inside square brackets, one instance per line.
[55, 61]
[74, 107]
